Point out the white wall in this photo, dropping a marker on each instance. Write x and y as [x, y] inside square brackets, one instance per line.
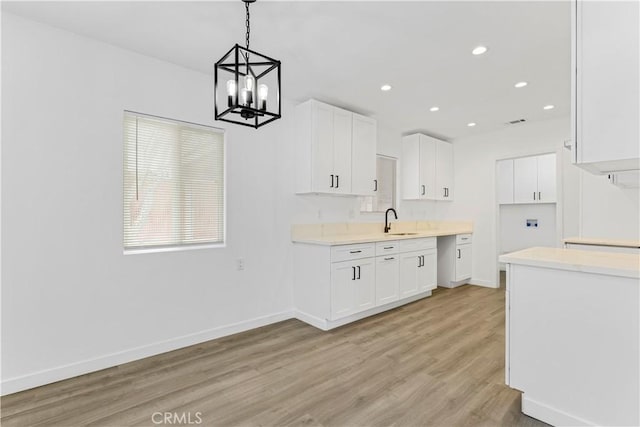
[514, 234]
[587, 205]
[71, 301]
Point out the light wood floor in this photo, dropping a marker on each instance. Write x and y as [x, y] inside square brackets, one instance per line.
[438, 361]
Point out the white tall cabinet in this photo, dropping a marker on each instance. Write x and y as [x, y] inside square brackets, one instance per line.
[606, 89]
[335, 150]
[427, 168]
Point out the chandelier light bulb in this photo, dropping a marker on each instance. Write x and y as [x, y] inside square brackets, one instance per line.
[249, 82]
[263, 92]
[232, 91]
[247, 92]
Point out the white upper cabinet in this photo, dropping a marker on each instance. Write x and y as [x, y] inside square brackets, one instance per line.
[335, 150]
[547, 178]
[444, 170]
[504, 178]
[363, 155]
[427, 168]
[534, 179]
[605, 98]
[342, 127]
[525, 180]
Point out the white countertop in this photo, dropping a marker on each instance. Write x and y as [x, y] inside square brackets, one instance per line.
[623, 243]
[609, 263]
[347, 239]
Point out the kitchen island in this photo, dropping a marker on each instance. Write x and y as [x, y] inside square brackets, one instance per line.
[573, 335]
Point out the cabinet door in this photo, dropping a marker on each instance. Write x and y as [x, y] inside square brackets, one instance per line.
[504, 178]
[363, 155]
[547, 178]
[607, 82]
[365, 284]
[463, 262]
[427, 168]
[387, 279]
[428, 271]
[342, 150]
[410, 166]
[343, 289]
[525, 180]
[322, 151]
[444, 171]
[409, 273]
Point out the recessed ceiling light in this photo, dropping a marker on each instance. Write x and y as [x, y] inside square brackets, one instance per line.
[434, 108]
[385, 87]
[479, 50]
[549, 107]
[521, 84]
[472, 124]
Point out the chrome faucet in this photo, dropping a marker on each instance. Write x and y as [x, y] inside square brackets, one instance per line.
[387, 226]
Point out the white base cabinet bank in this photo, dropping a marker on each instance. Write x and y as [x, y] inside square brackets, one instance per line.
[336, 285]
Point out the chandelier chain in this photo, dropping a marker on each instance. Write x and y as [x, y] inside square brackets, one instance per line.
[248, 24]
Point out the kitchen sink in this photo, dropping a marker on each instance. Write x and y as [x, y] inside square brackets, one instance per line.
[402, 234]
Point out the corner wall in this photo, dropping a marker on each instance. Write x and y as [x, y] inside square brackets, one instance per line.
[71, 301]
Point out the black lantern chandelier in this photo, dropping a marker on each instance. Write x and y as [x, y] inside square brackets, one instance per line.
[252, 83]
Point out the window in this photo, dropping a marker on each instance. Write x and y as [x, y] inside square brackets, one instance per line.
[173, 183]
[385, 195]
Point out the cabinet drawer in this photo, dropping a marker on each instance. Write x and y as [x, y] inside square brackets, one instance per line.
[348, 252]
[461, 239]
[409, 245]
[383, 248]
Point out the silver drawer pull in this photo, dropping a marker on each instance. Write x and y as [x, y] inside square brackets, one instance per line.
[389, 259]
[355, 252]
[388, 247]
[464, 238]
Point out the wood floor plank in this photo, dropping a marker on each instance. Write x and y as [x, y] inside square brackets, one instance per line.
[436, 362]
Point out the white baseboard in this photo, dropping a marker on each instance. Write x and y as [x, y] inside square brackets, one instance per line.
[550, 415]
[484, 283]
[311, 320]
[36, 379]
[326, 325]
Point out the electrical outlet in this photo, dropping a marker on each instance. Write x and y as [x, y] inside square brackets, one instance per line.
[240, 264]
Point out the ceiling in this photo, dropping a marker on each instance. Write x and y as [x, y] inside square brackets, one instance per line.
[342, 52]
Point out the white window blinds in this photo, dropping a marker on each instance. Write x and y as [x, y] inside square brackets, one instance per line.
[173, 183]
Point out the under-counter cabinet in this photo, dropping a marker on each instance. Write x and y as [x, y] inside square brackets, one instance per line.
[335, 150]
[454, 262]
[427, 168]
[352, 287]
[335, 285]
[418, 266]
[387, 272]
[605, 85]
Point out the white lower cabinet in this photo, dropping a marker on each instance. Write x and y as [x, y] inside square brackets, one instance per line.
[334, 285]
[352, 287]
[387, 279]
[463, 262]
[454, 262]
[418, 272]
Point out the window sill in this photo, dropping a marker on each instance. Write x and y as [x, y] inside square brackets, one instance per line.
[173, 248]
